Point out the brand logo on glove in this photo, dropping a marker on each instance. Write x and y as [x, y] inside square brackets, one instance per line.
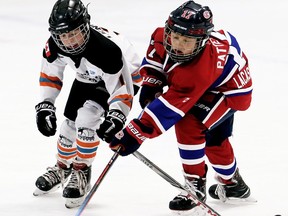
[152, 80]
[119, 135]
[136, 132]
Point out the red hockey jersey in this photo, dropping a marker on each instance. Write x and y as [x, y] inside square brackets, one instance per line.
[220, 67]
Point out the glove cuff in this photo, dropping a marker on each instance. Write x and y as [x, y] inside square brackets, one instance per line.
[117, 114]
[45, 105]
[139, 130]
[154, 80]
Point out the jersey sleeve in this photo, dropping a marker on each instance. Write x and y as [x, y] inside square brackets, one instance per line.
[235, 81]
[51, 74]
[121, 84]
[165, 111]
[132, 59]
[120, 88]
[152, 66]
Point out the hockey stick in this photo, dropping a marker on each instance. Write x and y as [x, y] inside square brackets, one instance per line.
[98, 182]
[208, 210]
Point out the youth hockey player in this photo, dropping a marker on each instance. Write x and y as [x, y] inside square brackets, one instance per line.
[208, 80]
[106, 67]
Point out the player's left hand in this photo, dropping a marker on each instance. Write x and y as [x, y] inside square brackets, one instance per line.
[113, 123]
[131, 137]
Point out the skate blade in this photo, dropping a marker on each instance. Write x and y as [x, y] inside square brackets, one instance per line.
[248, 200]
[74, 202]
[196, 211]
[39, 192]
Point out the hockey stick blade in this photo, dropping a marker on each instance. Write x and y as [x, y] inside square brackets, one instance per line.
[98, 182]
[207, 209]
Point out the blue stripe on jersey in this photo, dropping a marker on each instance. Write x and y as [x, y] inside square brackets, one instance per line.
[191, 154]
[165, 115]
[121, 99]
[42, 80]
[136, 77]
[234, 43]
[230, 63]
[144, 62]
[151, 64]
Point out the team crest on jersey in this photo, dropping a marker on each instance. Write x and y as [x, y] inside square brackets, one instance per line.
[90, 75]
[47, 49]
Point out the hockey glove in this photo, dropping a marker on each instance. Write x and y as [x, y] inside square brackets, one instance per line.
[148, 94]
[113, 123]
[131, 137]
[46, 118]
[152, 87]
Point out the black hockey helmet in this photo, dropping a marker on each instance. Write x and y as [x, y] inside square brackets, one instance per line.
[190, 20]
[66, 16]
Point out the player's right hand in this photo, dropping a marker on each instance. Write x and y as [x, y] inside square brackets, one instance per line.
[46, 118]
[131, 137]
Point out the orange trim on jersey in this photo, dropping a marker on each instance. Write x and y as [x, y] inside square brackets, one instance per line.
[136, 77]
[126, 99]
[50, 81]
[52, 78]
[50, 85]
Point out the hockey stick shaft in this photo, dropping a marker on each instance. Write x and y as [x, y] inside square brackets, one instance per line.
[208, 210]
[98, 182]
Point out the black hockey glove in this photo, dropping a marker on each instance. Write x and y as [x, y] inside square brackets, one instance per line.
[113, 123]
[46, 118]
[131, 137]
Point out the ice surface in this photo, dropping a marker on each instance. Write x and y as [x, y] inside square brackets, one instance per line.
[130, 188]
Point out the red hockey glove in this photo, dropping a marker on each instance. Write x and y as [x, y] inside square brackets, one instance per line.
[131, 137]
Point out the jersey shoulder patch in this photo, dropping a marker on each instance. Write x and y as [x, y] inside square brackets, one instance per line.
[50, 50]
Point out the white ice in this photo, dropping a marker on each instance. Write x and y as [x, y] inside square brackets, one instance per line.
[130, 188]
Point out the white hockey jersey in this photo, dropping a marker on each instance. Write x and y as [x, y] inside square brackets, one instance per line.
[108, 57]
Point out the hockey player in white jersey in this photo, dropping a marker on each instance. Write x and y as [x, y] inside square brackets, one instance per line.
[107, 78]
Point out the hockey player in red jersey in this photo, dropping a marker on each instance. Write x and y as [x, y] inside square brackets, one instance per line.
[208, 80]
[107, 77]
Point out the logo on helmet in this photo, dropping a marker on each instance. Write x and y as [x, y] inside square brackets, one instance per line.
[206, 14]
[187, 14]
